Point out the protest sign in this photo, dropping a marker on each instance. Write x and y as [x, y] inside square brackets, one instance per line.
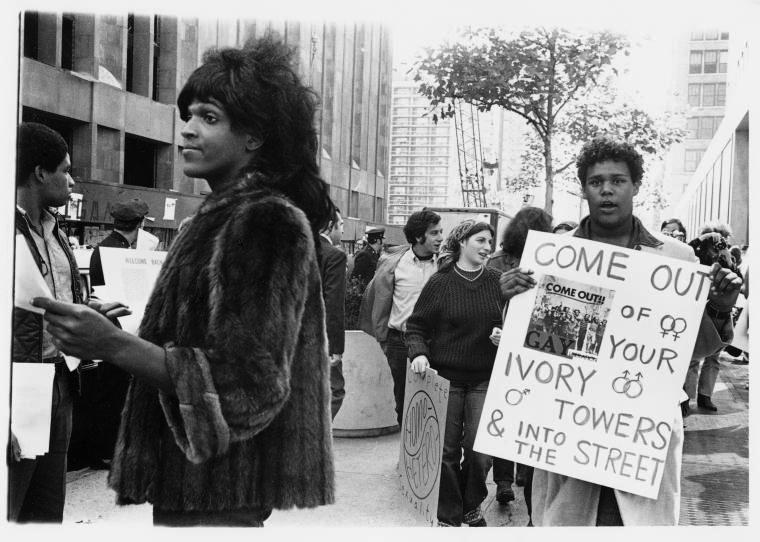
[129, 277]
[31, 407]
[426, 398]
[740, 315]
[591, 362]
[28, 281]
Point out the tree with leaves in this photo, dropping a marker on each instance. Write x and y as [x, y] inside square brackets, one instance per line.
[545, 76]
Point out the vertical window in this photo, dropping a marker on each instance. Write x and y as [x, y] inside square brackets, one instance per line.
[695, 62]
[711, 62]
[720, 95]
[67, 39]
[694, 94]
[711, 35]
[31, 34]
[708, 94]
[130, 50]
[697, 36]
[723, 61]
[691, 159]
[724, 35]
[156, 54]
[692, 126]
[705, 128]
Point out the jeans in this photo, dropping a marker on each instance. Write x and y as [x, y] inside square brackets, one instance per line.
[503, 470]
[707, 376]
[37, 487]
[337, 387]
[398, 355]
[463, 483]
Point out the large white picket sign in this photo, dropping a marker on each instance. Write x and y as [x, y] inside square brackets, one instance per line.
[129, 277]
[591, 362]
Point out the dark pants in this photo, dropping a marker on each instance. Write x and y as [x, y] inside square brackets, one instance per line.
[253, 517]
[97, 414]
[608, 513]
[397, 354]
[37, 487]
[463, 483]
[337, 387]
[503, 470]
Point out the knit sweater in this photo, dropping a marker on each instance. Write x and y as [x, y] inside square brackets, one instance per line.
[451, 323]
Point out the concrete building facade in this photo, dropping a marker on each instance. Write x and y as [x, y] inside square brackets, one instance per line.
[109, 84]
[700, 77]
[422, 154]
[719, 187]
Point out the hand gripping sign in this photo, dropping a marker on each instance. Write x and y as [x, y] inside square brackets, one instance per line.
[591, 362]
[426, 398]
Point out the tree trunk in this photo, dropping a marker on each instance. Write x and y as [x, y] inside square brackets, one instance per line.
[549, 194]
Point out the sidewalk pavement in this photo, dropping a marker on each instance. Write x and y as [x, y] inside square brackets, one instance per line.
[714, 479]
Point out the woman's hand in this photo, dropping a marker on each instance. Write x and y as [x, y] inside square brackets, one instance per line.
[420, 364]
[495, 336]
[79, 330]
[725, 288]
[111, 310]
[516, 281]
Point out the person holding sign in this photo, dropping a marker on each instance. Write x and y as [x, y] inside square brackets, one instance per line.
[449, 330]
[228, 414]
[610, 173]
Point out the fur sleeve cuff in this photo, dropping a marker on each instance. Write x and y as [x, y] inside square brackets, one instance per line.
[195, 415]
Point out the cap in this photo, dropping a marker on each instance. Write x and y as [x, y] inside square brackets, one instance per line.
[129, 210]
[374, 230]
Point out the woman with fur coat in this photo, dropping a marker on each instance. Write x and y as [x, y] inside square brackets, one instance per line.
[228, 413]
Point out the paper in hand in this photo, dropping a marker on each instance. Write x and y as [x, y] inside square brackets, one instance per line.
[31, 403]
[28, 282]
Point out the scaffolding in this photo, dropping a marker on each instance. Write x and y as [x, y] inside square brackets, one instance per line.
[470, 154]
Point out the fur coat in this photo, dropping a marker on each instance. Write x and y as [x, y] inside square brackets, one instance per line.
[238, 308]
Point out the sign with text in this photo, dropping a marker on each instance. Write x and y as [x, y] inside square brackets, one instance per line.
[129, 277]
[426, 398]
[591, 362]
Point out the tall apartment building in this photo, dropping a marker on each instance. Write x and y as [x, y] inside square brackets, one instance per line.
[109, 83]
[421, 167]
[701, 67]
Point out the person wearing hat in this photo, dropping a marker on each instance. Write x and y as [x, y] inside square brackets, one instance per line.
[97, 409]
[365, 261]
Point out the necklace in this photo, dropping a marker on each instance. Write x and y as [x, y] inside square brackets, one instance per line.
[476, 277]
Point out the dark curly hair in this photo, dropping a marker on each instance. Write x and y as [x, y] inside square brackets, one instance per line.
[527, 218]
[418, 223]
[37, 145]
[603, 148]
[260, 91]
[451, 248]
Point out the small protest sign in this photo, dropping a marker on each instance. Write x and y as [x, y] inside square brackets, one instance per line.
[591, 362]
[423, 426]
[129, 277]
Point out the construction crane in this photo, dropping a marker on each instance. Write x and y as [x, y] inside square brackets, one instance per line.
[470, 154]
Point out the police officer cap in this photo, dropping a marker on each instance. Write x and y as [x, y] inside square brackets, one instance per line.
[130, 210]
[374, 231]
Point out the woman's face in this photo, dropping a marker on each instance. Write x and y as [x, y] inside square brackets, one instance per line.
[673, 231]
[476, 249]
[211, 148]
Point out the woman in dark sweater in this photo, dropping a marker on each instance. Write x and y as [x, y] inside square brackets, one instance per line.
[450, 331]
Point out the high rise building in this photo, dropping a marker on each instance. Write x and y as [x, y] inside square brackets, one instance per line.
[421, 166]
[700, 71]
[109, 84]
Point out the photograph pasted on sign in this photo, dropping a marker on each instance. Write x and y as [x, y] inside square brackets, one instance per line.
[589, 370]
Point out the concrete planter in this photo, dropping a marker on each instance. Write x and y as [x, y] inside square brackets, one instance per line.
[368, 408]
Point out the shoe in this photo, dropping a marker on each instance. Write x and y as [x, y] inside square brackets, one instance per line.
[504, 493]
[703, 401]
[474, 518]
[444, 524]
[685, 410]
[520, 481]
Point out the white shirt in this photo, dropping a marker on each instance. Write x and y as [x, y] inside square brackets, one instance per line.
[410, 276]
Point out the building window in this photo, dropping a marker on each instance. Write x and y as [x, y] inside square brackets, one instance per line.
[720, 95]
[67, 39]
[711, 35]
[724, 35]
[139, 162]
[692, 158]
[31, 34]
[697, 36]
[708, 94]
[711, 62]
[156, 55]
[695, 62]
[692, 125]
[694, 94]
[722, 61]
[705, 128]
